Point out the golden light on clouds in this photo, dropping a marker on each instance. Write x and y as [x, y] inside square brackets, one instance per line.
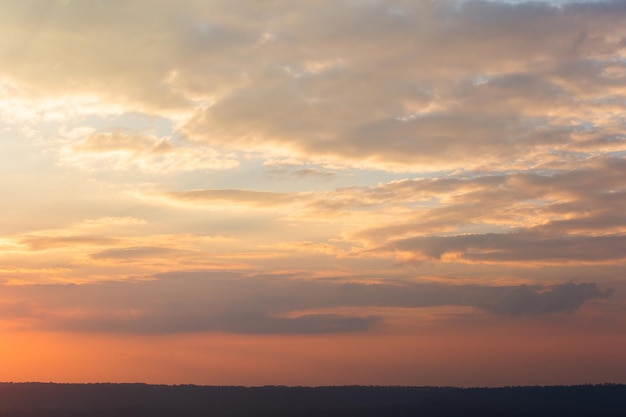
[285, 192]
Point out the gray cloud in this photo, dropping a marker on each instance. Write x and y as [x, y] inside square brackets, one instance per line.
[232, 322]
[523, 300]
[518, 247]
[219, 301]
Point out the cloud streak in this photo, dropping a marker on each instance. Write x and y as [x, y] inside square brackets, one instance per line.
[243, 197]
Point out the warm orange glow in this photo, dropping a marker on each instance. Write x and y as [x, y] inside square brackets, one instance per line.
[476, 355]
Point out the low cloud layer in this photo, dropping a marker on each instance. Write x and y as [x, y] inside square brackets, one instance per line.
[228, 302]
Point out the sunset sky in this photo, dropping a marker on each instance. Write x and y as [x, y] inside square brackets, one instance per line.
[313, 192]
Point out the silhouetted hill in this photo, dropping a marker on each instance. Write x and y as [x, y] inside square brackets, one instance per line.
[141, 400]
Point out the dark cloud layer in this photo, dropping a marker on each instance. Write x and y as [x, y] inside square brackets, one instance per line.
[203, 301]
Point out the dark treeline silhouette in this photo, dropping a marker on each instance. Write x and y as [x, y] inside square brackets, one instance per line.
[141, 400]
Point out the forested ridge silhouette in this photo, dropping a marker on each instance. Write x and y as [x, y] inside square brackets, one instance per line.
[139, 400]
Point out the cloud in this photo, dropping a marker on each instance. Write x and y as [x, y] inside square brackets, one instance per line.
[122, 254]
[237, 197]
[486, 107]
[37, 243]
[122, 151]
[553, 207]
[110, 142]
[523, 300]
[303, 173]
[516, 247]
[545, 217]
[236, 322]
[502, 123]
[409, 85]
[220, 301]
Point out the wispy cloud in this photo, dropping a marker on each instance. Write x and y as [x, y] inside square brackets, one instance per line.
[245, 197]
[122, 151]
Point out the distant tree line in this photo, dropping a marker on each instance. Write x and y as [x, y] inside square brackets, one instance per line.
[142, 400]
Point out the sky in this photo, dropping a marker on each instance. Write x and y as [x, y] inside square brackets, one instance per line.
[328, 192]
